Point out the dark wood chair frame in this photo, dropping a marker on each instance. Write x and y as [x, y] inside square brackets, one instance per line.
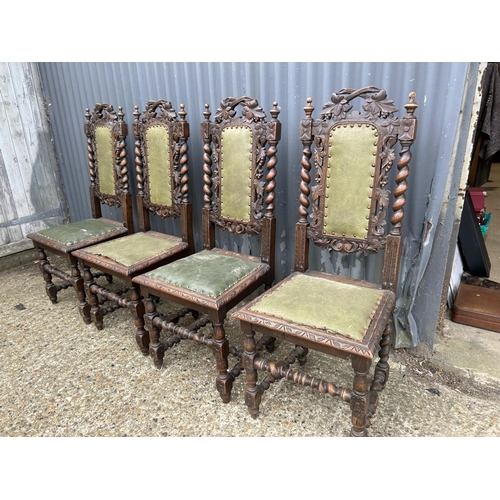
[103, 115]
[363, 397]
[159, 113]
[266, 136]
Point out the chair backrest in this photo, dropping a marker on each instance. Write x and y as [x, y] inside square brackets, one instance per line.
[349, 199]
[161, 159]
[238, 192]
[106, 133]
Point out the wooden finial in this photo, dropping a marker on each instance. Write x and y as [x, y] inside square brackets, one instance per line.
[309, 108]
[207, 112]
[182, 112]
[412, 105]
[275, 111]
[136, 113]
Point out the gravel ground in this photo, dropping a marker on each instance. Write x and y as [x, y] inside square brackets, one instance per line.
[60, 377]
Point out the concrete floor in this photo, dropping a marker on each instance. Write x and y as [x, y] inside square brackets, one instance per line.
[61, 377]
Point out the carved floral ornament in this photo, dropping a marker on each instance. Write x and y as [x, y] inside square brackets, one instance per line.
[376, 104]
[161, 109]
[251, 111]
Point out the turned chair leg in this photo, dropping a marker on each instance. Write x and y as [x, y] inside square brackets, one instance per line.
[137, 308]
[95, 311]
[253, 392]
[156, 349]
[270, 344]
[382, 368]
[360, 398]
[79, 285]
[224, 381]
[50, 288]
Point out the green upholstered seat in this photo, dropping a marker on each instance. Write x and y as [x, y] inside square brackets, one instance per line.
[76, 232]
[327, 305]
[134, 248]
[206, 272]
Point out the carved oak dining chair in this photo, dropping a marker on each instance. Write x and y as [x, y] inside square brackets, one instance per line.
[343, 210]
[106, 133]
[162, 191]
[239, 198]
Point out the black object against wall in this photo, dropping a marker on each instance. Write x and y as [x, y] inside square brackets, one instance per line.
[471, 242]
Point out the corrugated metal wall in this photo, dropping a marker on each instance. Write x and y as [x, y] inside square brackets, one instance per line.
[71, 87]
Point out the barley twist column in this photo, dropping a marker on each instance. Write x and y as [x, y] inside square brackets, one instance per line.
[139, 162]
[122, 153]
[207, 159]
[406, 138]
[183, 161]
[272, 161]
[306, 136]
[90, 149]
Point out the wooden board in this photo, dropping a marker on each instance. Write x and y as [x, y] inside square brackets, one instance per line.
[30, 192]
[477, 306]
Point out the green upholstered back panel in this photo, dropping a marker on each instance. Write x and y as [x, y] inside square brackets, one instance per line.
[351, 165]
[305, 300]
[158, 153]
[105, 159]
[236, 172]
[133, 248]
